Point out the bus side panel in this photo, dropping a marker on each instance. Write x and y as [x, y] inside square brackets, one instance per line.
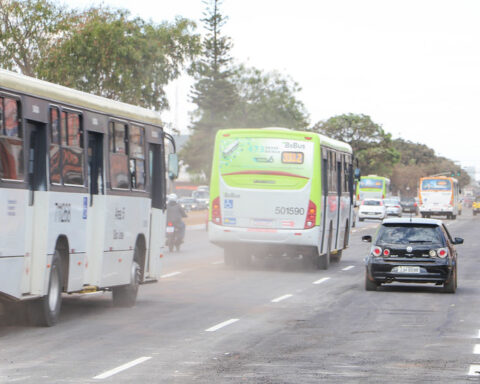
[13, 240]
[157, 243]
[96, 227]
[67, 216]
[126, 218]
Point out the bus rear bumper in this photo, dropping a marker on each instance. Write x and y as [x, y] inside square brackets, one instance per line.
[11, 269]
[224, 235]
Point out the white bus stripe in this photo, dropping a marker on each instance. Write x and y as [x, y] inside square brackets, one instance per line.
[121, 368]
[322, 280]
[281, 298]
[221, 325]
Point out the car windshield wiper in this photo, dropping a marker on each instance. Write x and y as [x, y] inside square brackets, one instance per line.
[420, 241]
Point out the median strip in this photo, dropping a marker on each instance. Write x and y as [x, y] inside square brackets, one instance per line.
[121, 368]
[221, 325]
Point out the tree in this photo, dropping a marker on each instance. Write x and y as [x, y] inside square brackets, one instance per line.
[28, 30]
[112, 55]
[266, 100]
[371, 145]
[213, 91]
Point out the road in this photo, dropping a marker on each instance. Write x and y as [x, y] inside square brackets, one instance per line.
[281, 323]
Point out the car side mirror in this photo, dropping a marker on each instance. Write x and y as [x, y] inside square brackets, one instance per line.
[458, 240]
[367, 239]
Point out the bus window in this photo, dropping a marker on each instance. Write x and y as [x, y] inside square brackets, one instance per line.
[119, 175]
[11, 143]
[137, 157]
[55, 169]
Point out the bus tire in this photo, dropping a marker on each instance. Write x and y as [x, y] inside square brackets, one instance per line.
[46, 310]
[126, 295]
[337, 256]
[324, 260]
[453, 217]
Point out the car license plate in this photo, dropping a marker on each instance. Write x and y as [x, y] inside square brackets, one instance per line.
[170, 229]
[406, 269]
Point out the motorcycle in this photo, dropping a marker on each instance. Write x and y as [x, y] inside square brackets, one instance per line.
[173, 237]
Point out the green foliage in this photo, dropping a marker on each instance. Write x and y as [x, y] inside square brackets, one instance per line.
[213, 92]
[233, 97]
[125, 59]
[28, 30]
[267, 100]
[371, 145]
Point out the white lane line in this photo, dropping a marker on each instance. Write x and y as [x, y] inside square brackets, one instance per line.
[218, 262]
[474, 370]
[476, 349]
[322, 280]
[348, 268]
[121, 368]
[478, 336]
[281, 298]
[170, 275]
[221, 325]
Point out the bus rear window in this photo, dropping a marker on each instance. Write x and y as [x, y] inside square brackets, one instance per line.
[371, 183]
[436, 185]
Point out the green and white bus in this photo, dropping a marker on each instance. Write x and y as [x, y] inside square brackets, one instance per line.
[280, 193]
[372, 187]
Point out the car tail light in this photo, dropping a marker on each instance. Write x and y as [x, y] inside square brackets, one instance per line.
[386, 252]
[396, 206]
[216, 215]
[383, 196]
[311, 215]
[442, 252]
[169, 224]
[376, 251]
[414, 204]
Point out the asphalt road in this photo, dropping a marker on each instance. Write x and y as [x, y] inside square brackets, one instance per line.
[272, 323]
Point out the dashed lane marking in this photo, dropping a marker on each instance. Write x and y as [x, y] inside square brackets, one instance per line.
[322, 280]
[348, 268]
[278, 299]
[474, 370]
[121, 368]
[476, 349]
[218, 262]
[170, 275]
[221, 325]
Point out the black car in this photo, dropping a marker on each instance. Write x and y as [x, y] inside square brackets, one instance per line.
[412, 251]
[409, 205]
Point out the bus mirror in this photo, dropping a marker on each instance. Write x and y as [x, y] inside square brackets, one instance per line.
[172, 166]
[357, 174]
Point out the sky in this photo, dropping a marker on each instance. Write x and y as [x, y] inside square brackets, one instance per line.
[413, 66]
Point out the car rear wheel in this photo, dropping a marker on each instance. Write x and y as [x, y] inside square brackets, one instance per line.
[451, 286]
[369, 284]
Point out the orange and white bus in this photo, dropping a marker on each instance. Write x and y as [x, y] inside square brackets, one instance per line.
[439, 196]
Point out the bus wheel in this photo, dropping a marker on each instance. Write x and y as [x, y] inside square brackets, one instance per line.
[45, 311]
[453, 217]
[337, 256]
[324, 260]
[126, 295]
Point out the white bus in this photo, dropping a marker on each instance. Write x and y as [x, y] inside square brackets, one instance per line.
[82, 195]
[440, 196]
[280, 193]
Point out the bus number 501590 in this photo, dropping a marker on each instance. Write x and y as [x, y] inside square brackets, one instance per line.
[289, 211]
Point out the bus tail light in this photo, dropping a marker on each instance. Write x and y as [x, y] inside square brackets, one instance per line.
[216, 215]
[311, 215]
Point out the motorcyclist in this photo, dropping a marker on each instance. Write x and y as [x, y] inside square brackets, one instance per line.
[175, 214]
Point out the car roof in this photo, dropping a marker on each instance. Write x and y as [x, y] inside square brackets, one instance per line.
[413, 221]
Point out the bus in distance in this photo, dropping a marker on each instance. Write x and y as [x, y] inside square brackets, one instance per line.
[277, 192]
[82, 196]
[372, 187]
[439, 196]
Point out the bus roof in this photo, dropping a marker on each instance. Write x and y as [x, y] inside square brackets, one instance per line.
[374, 177]
[439, 177]
[38, 88]
[287, 133]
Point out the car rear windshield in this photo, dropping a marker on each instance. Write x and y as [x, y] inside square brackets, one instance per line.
[371, 202]
[410, 234]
